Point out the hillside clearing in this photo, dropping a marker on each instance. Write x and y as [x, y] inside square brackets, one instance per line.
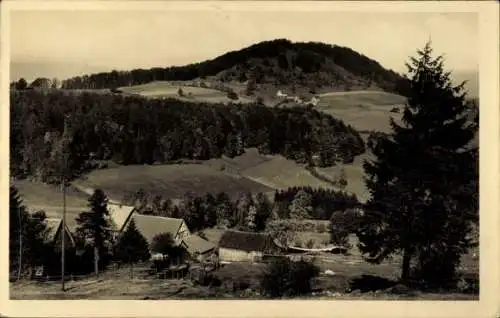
[281, 173]
[364, 110]
[160, 89]
[37, 196]
[169, 181]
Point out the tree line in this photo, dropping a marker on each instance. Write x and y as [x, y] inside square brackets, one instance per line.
[135, 130]
[278, 60]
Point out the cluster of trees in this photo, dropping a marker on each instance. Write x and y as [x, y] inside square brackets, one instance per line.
[38, 83]
[311, 203]
[279, 59]
[136, 130]
[246, 212]
[29, 243]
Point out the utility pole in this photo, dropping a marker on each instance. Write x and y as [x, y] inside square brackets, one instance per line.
[63, 230]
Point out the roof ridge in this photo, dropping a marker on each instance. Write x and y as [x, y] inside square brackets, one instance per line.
[157, 216]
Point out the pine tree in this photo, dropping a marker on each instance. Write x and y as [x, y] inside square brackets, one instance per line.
[301, 206]
[223, 209]
[162, 243]
[423, 181]
[131, 247]
[17, 217]
[94, 227]
[264, 207]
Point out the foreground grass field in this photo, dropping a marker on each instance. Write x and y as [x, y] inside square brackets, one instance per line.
[239, 280]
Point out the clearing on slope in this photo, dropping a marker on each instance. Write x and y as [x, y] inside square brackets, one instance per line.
[364, 110]
[169, 181]
[37, 196]
[164, 89]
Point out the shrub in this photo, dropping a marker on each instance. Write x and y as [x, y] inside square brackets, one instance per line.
[232, 95]
[287, 278]
[310, 244]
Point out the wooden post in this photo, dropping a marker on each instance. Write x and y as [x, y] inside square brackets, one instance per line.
[96, 263]
[62, 232]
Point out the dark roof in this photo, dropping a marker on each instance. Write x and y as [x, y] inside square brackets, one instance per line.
[248, 241]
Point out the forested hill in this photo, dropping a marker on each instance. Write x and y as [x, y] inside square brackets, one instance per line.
[135, 130]
[278, 62]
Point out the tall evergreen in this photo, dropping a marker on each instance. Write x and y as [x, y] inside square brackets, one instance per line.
[131, 247]
[93, 225]
[423, 180]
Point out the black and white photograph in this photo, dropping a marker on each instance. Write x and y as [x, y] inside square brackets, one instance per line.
[245, 151]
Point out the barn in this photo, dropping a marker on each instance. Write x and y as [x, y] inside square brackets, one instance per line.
[239, 246]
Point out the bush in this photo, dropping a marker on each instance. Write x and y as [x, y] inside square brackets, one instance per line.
[310, 244]
[287, 278]
[232, 95]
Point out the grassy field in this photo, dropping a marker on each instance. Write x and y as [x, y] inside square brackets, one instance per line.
[281, 173]
[364, 110]
[171, 181]
[159, 89]
[38, 196]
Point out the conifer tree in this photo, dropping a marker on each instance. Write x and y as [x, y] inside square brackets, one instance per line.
[94, 227]
[423, 180]
[131, 247]
[27, 235]
[301, 206]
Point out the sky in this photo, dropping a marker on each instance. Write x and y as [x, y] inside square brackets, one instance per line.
[67, 43]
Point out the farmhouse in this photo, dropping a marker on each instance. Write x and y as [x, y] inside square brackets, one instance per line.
[119, 216]
[237, 246]
[54, 226]
[199, 248]
[151, 225]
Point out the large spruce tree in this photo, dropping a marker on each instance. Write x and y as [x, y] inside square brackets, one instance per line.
[423, 180]
[93, 225]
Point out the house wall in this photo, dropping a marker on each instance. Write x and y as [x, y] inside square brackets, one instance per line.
[183, 232]
[234, 255]
[68, 242]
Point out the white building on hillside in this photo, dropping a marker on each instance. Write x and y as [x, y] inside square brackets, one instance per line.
[280, 94]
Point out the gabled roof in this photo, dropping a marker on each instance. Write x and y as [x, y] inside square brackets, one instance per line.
[196, 244]
[248, 241]
[119, 215]
[54, 225]
[151, 225]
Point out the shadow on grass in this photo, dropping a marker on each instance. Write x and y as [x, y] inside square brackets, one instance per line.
[465, 284]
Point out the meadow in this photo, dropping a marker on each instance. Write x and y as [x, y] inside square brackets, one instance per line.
[169, 181]
[364, 110]
[164, 89]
